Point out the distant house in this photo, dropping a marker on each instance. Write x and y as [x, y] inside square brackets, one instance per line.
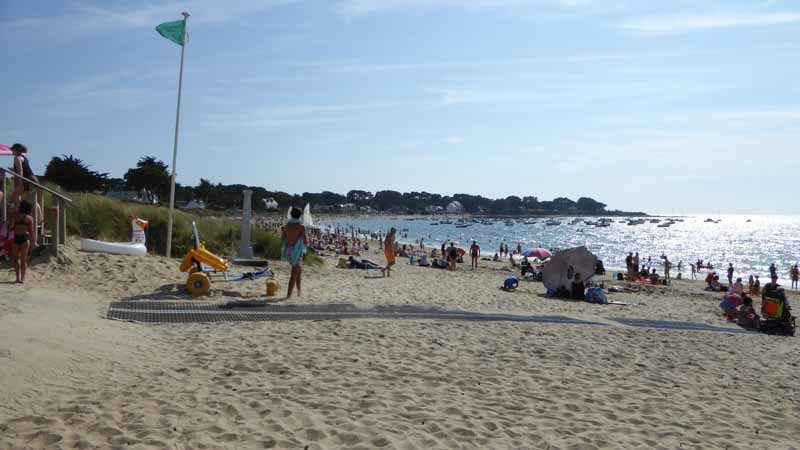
[143, 196]
[347, 207]
[433, 209]
[195, 204]
[270, 203]
[455, 207]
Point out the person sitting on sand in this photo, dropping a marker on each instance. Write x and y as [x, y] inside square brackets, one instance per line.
[653, 276]
[293, 248]
[525, 266]
[746, 316]
[388, 245]
[774, 290]
[578, 288]
[496, 257]
[510, 284]
[423, 260]
[738, 287]
[23, 231]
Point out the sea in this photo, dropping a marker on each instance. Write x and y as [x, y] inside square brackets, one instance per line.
[750, 243]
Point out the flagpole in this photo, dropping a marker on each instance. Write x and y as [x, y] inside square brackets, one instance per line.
[175, 144]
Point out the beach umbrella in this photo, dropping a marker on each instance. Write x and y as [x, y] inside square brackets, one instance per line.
[562, 267]
[537, 253]
[5, 150]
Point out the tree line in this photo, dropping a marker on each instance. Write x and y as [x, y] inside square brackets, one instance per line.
[73, 174]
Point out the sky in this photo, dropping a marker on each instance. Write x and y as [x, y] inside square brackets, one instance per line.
[685, 106]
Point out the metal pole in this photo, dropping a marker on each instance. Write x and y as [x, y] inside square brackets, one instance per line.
[175, 144]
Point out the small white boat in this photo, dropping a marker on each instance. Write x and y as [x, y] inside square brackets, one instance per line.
[118, 248]
[552, 222]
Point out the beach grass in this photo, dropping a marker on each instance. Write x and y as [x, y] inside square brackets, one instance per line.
[98, 217]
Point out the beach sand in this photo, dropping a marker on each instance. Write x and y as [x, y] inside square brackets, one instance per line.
[71, 379]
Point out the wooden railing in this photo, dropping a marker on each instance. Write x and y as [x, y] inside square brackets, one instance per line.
[58, 210]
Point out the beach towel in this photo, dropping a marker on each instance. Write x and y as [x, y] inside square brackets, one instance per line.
[295, 254]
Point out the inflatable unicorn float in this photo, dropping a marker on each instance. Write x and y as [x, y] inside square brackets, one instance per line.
[136, 247]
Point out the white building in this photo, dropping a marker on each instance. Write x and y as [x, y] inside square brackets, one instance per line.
[270, 203]
[455, 207]
[195, 204]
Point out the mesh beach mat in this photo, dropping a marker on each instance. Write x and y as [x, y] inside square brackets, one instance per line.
[205, 312]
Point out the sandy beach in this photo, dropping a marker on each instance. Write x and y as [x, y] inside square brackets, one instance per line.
[72, 379]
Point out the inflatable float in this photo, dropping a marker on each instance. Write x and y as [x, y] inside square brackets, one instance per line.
[134, 248]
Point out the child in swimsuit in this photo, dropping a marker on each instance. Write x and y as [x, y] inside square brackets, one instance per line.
[23, 230]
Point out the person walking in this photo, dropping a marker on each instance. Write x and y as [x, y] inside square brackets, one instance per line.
[293, 249]
[694, 271]
[667, 266]
[474, 253]
[388, 246]
[730, 274]
[794, 274]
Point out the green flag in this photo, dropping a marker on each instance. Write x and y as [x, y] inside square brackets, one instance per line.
[172, 31]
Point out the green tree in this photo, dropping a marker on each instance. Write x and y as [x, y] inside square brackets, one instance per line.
[586, 204]
[74, 175]
[150, 174]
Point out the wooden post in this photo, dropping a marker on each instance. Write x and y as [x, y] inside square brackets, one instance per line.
[36, 220]
[54, 240]
[62, 222]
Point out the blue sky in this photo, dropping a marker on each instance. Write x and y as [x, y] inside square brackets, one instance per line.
[679, 106]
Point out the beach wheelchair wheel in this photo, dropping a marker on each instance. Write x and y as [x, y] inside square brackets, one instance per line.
[198, 283]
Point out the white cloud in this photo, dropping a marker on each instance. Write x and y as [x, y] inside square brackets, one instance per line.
[676, 24]
[285, 116]
[454, 140]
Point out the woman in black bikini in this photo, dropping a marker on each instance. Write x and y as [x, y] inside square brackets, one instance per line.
[23, 230]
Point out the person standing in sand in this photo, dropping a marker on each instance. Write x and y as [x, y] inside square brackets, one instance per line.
[474, 253]
[293, 249]
[794, 274]
[22, 224]
[388, 246]
[636, 263]
[452, 257]
[730, 274]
